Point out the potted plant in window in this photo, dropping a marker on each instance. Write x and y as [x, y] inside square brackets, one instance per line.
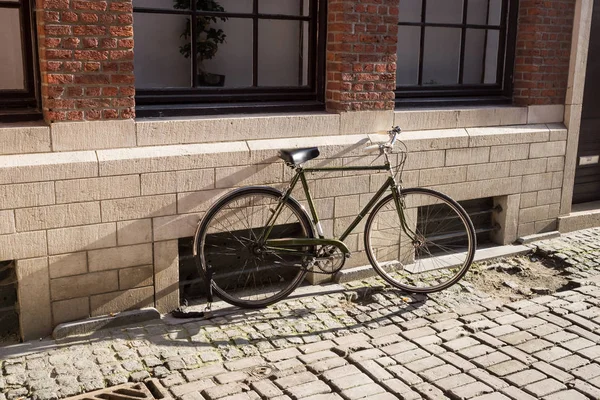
[208, 38]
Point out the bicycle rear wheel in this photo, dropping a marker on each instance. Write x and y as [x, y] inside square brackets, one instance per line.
[244, 274]
[434, 252]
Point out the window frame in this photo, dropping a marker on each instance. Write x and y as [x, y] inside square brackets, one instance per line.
[22, 104]
[467, 94]
[161, 102]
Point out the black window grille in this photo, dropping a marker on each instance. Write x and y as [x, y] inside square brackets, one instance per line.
[455, 50]
[210, 56]
[17, 84]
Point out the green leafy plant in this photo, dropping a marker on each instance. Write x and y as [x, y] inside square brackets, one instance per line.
[208, 38]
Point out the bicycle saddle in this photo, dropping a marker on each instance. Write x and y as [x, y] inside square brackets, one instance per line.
[299, 156]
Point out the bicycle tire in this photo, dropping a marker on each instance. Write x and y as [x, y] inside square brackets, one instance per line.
[225, 289]
[422, 258]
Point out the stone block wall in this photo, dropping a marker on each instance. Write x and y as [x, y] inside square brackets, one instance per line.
[96, 232]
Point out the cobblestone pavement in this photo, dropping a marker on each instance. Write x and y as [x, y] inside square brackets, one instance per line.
[363, 342]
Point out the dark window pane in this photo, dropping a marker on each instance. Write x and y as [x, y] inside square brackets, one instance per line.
[237, 6]
[11, 67]
[407, 70]
[441, 56]
[477, 12]
[281, 51]
[285, 7]
[164, 4]
[444, 11]
[233, 58]
[410, 10]
[158, 58]
[474, 50]
[491, 59]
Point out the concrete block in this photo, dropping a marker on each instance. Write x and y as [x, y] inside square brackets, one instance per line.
[120, 257]
[580, 219]
[59, 216]
[548, 196]
[528, 199]
[24, 138]
[436, 176]
[495, 136]
[533, 214]
[195, 179]
[557, 180]
[479, 189]
[507, 218]
[347, 206]
[537, 182]
[72, 287]
[159, 183]
[70, 310]
[431, 140]
[526, 229]
[408, 179]
[136, 277]
[131, 299]
[26, 195]
[23, 245]
[172, 158]
[421, 120]
[425, 159]
[555, 164]
[134, 232]
[89, 237]
[491, 116]
[548, 225]
[166, 275]
[198, 202]
[92, 135]
[488, 171]
[47, 167]
[341, 186]
[68, 265]
[79, 190]
[544, 114]
[7, 222]
[539, 236]
[468, 156]
[573, 122]
[548, 149]
[92, 325]
[528, 167]
[228, 177]
[139, 207]
[35, 314]
[579, 51]
[509, 152]
[175, 226]
[266, 151]
[558, 132]
[366, 122]
[156, 131]
[553, 210]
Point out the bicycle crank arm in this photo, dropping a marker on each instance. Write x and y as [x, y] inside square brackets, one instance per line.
[293, 242]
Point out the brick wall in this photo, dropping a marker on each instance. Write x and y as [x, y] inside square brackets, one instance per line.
[543, 51]
[361, 54]
[86, 59]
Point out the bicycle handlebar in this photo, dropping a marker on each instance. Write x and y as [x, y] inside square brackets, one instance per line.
[393, 133]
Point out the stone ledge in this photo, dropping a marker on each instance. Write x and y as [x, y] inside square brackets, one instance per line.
[584, 216]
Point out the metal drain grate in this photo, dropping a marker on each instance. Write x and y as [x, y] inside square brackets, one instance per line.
[149, 390]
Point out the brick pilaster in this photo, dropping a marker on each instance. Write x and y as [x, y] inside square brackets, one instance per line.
[543, 51]
[361, 54]
[86, 59]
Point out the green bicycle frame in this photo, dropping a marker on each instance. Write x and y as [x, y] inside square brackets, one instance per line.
[280, 244]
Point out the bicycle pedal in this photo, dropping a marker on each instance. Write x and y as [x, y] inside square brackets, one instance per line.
[348, 255]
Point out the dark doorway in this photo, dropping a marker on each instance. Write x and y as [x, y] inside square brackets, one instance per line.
[587, 174]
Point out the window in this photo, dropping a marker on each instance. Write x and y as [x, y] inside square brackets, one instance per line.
[455, 50]
[17, 85]
[211, 55]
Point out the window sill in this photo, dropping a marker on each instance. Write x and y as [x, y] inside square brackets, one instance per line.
[9, 115]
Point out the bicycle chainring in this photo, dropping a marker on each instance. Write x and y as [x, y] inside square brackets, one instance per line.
[329, 260]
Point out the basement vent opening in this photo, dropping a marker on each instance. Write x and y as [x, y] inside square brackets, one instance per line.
[9, 317]
[148, 390]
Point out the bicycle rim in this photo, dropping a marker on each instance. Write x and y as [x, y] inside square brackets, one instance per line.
[243, 274]
[433, 253]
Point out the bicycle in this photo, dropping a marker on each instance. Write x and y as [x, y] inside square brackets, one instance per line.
[256, 244]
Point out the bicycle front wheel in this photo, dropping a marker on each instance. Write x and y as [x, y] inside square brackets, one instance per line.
[430, 251]
[244, 273]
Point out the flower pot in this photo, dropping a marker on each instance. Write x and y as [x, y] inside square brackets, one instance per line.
[208, 79]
